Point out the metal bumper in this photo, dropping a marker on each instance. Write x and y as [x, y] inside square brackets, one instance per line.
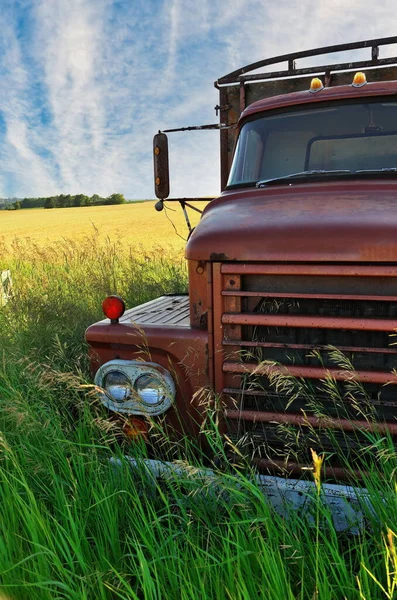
[348, 505]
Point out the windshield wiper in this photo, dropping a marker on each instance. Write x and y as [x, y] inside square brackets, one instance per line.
[302, 174]
[383, 170]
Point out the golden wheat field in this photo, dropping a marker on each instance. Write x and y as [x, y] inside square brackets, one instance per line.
[135, 224]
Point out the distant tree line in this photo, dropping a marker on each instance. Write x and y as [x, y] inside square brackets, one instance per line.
[66, 201]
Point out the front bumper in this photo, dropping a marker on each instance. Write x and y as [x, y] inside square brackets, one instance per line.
[348, 506]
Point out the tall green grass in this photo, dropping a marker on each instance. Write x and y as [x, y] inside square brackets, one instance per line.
[74, 526]
[58, 289]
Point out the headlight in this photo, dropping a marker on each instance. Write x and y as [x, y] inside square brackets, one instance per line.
[118, 386]
[150, 389]
[135, 387]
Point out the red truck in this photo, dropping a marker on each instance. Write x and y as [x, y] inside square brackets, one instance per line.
[292, 299]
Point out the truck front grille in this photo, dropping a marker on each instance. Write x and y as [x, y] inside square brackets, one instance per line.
[305, 356]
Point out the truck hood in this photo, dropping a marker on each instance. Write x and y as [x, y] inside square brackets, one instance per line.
[353, 221]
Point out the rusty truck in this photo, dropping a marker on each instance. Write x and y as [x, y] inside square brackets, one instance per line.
[292, 303]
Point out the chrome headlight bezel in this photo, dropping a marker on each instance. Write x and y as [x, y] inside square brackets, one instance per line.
[133, 370]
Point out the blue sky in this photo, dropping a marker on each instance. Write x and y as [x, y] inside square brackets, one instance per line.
[86, 83]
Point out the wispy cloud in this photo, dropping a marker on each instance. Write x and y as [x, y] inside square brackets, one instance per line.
[22, 166]
[69, 49]
[86, 83]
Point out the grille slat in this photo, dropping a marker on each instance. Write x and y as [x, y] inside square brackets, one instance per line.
[381, 377]
[308, 347]
[273, 294]
[309, 322]
[309, 421]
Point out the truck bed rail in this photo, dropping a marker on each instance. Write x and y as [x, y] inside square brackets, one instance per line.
[241, 74]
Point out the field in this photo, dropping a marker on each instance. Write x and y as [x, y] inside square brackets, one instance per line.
[135, 223]
[74, 527]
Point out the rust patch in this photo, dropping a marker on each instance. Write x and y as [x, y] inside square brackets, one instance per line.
[219, 256]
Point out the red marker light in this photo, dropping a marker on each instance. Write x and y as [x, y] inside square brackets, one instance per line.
[113, 308]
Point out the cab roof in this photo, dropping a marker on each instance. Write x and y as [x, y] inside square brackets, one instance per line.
[370, 90]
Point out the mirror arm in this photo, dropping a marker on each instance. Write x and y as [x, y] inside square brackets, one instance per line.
[183, 205]
[192, 207]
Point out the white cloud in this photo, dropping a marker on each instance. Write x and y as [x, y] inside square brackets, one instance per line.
[70, 36]
[19, 159]
[173, 41]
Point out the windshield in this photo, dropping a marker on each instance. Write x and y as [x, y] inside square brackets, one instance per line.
[350, 137]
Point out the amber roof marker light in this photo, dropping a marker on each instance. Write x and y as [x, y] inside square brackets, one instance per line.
[359, 79]
[113, 308]
[316, 85]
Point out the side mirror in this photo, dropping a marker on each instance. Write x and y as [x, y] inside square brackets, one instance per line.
[161, 168]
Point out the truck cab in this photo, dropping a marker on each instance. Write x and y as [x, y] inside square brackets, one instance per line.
[292, 303]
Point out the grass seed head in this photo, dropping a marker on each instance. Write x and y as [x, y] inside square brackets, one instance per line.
[317, 466]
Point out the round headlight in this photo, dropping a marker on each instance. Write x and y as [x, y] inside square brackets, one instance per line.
[118, 386]
[151, 389]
